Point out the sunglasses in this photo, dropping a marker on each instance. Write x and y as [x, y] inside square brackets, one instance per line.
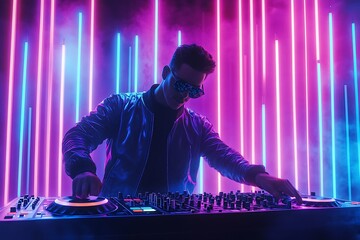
[182, 86]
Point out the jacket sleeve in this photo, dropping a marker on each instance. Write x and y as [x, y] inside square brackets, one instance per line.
[91, 131]
[226, 160]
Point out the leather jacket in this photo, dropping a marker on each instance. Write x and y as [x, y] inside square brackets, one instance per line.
[126, 123]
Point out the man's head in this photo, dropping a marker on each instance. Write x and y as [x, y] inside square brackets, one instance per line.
[184, 77]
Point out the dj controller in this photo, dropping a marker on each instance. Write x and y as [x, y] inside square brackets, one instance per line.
[232, 215]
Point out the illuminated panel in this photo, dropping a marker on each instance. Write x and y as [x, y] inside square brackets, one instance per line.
[347, 141]
[28, 152]
[61, 117]
[118, 63]
[307, 102]
[241, 90]
[136, 65]
[218, 77]
[129, 69]
[278, 132]
[156, 41]
[49, 100]
[293, 72]
[179, 38]
[78, 73]
[356, 91]
[22, 118]
[263, 130]
[320, 131]
[332, 83]
[91, 54]
[38, 101]
[10, 103]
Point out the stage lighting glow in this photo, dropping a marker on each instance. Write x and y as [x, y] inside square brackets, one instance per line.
[129, 71]
[39, 87]
[91, 68]
[28, 151]
[10, 102]
[347, 142]
[22, 118]
[118, 63]
[241, 86]
[156, 40]
[218, 50]
[179, 38]
[136, 66]
[320, 117]
[263, 134]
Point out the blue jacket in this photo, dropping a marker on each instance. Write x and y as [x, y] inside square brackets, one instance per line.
[126, 123]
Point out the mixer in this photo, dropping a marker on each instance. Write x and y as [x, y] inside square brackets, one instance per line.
[178, 215]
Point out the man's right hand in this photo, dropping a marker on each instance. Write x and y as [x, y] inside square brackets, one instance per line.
[86, 184]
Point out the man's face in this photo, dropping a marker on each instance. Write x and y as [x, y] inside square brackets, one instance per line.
[182, 84]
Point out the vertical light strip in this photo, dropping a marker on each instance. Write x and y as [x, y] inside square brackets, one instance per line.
[129, 71]
[320, 130]
[263, 125]
[10, 103]
[179, 38]
[91, 54]
[293, 74]
[278, 122]
[307, 103]
[218, 77]
[317, 31]
[49, 100]
[332, 93]
[356, 91]
[156, 40]
[22, 117]
[347, 142]
[201, 175]
[263, 41]
[252, 80]
[28, 153]
[241, 84]
[61, 118]
[136, 66]
[78, 73]
[38, 101]
[118, 63]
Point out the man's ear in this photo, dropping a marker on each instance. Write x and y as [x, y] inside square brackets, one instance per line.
[165, 72]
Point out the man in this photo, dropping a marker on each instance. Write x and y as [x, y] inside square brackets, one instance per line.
[154, 143]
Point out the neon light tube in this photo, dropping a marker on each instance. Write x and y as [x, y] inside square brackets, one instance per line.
[179, 38]
[49, 100]
[61, 117]
[201, 175]
[278, 131]
[356, 91]
[22, 117]
[129, 69]
[317, 31]
[91, 54]
[10, 103]
[28, 153]
[136, 67]
[332, 91]
[78, 73]
[218, 78]
[307, 103]
[320, 130]
[293, 73]
[263, 41]
[252, 77]
[241, 90]
[156, 41]
[347, 141]
[38, 101]
[118, 63]
[263, 130]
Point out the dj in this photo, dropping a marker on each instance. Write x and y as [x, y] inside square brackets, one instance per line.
[154, 143]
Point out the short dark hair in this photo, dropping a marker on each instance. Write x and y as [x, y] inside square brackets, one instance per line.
[195, 56]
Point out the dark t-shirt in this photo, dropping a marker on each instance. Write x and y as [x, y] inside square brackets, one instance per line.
[154, 178]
